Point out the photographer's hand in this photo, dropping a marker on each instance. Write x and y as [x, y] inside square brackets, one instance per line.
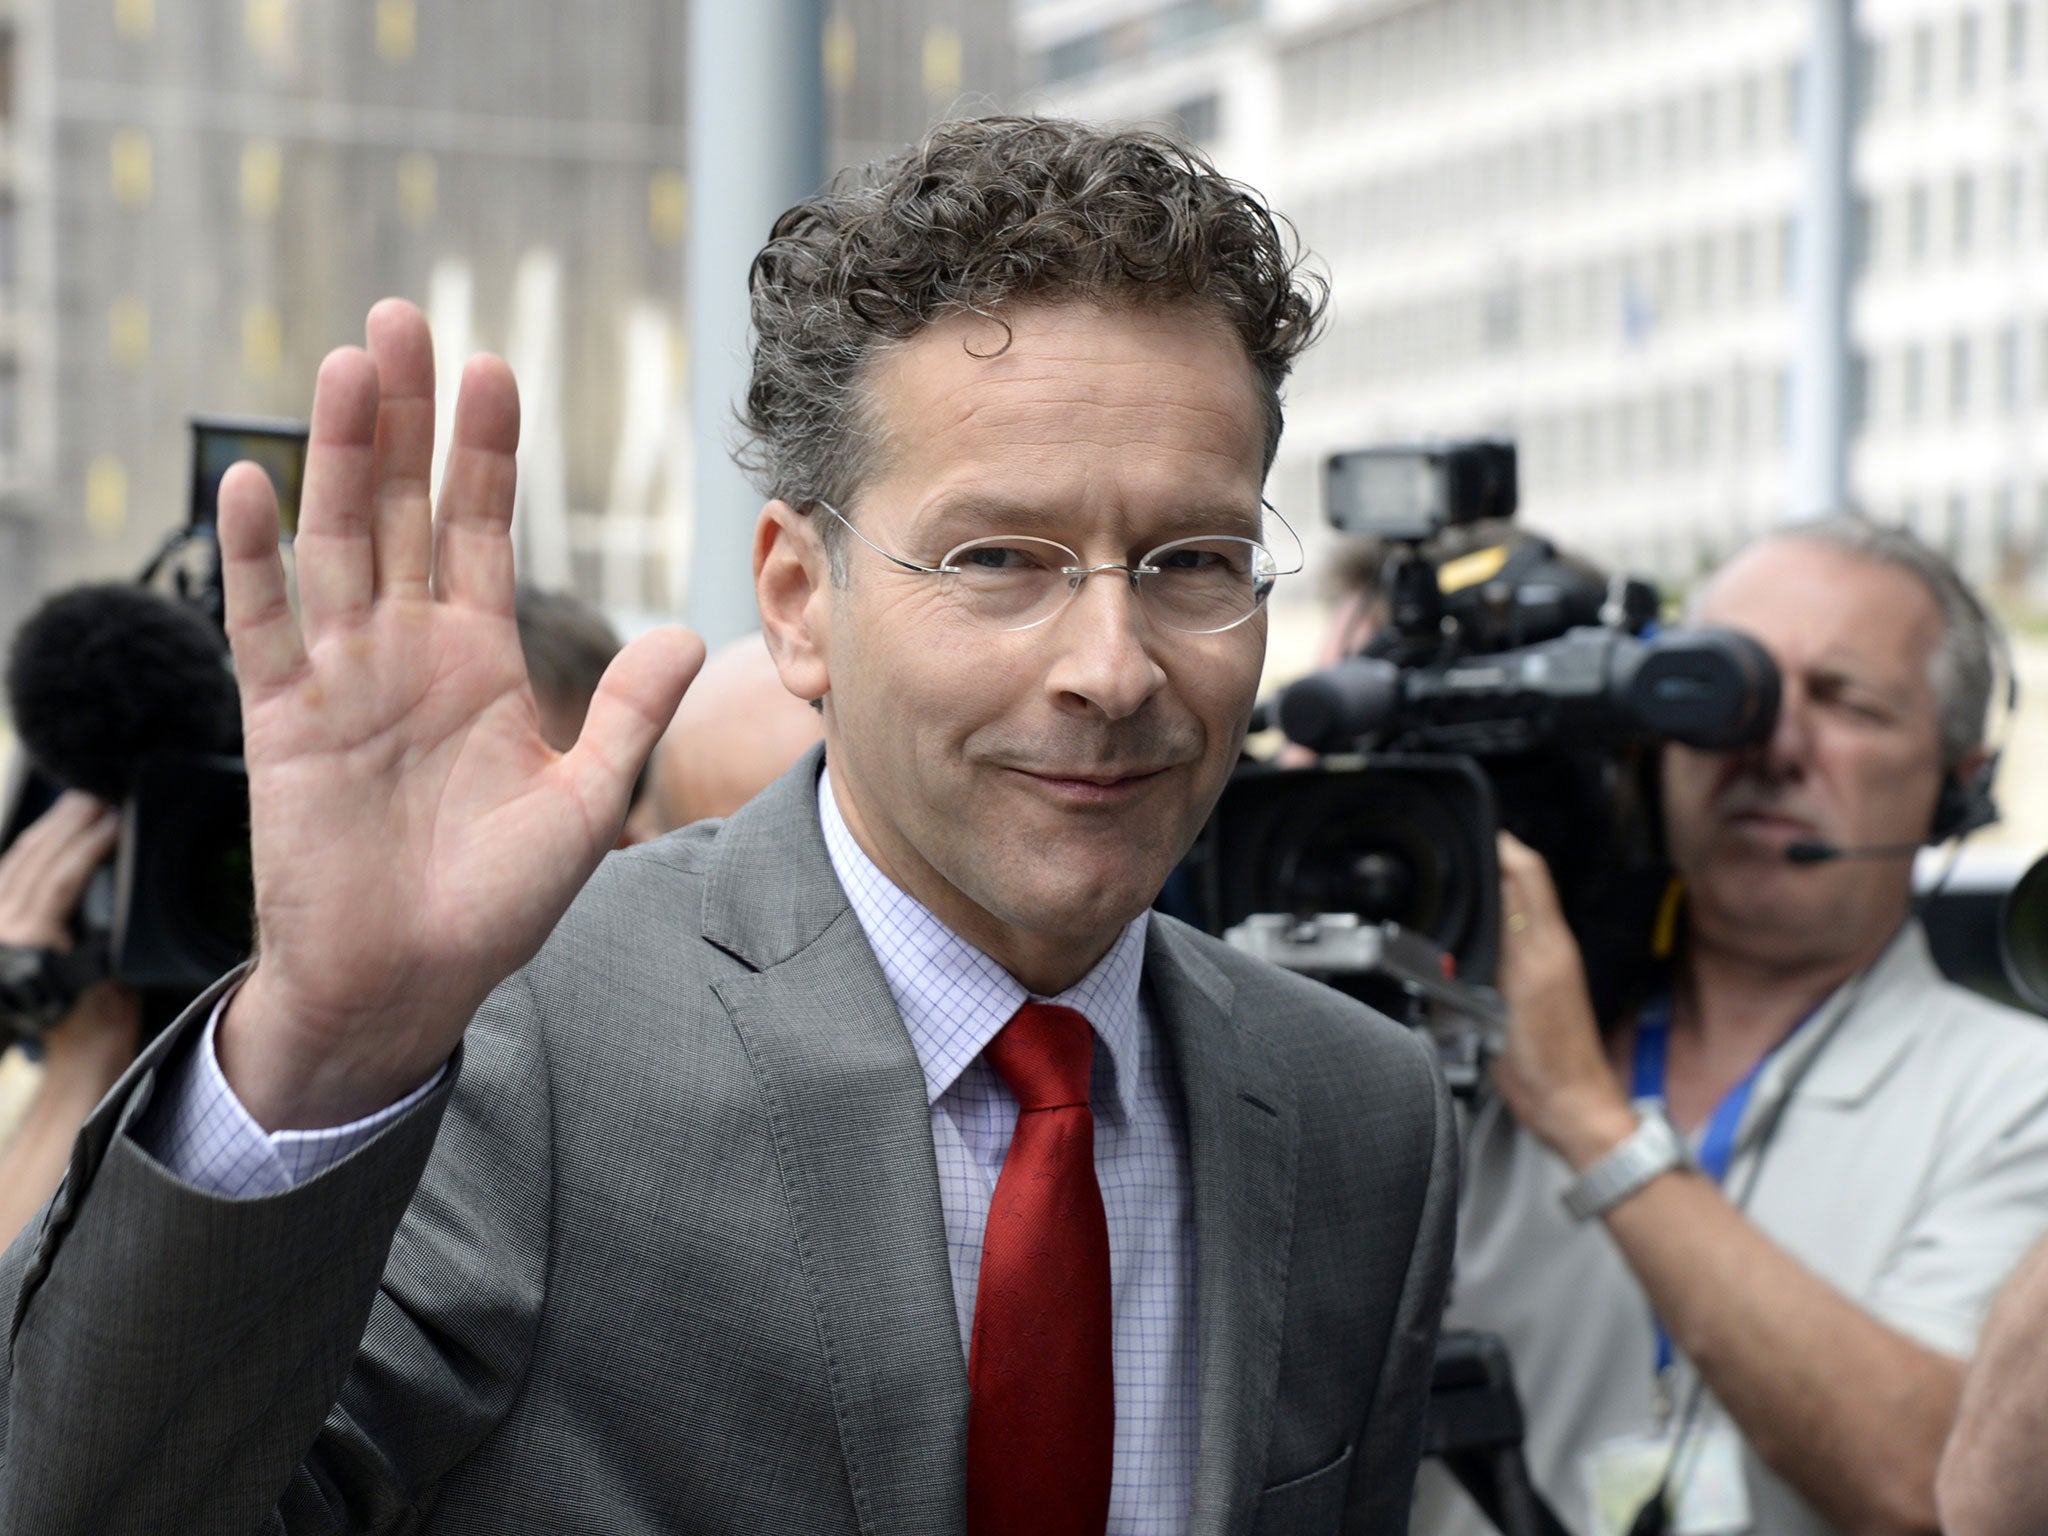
[43, 872]
[1555, 1075]
[42, 875]
[414, 839]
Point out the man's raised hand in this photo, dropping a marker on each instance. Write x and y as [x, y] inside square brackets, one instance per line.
[414, 838]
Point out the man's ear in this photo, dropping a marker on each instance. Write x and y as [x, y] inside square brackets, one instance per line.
[793, 586]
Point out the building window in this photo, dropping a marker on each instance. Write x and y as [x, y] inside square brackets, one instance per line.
[2009, 368]
[1968, 33]
[1959, 376]
[1963, 212]
[2016, 38]
[1501, 316]
[1912, 383]
[1916, 223]
[1923, 63]
[1665, 286]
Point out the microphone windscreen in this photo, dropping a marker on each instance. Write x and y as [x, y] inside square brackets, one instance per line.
[101, 676]
[1811, 852]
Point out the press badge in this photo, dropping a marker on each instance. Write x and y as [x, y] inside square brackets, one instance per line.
[1712, 1494]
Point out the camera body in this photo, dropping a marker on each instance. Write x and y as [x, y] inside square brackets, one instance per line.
[125, 691]
[1511, 686]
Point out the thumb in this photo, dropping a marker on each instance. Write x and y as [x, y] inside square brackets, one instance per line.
[631, 708]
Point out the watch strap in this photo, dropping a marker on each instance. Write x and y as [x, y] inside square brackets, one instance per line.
[1653, 1148]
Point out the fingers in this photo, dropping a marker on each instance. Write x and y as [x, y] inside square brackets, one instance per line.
[77, 857]
[401, 520]
[1525, 885]
[337, 559]
[70, 814]
[261, 629]
[367, 526]
[632, 707]
[473, 531]
[43, 874]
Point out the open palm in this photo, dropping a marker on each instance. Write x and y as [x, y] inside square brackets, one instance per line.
[414, 838]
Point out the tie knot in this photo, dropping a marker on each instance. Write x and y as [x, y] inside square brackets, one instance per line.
[1043, 1054]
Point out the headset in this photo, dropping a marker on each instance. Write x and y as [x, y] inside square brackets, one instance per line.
[1965, 804]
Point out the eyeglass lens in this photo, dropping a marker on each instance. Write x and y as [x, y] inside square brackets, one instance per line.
[1196, 586]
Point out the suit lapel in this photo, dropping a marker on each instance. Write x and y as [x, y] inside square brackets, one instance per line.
[853, 1142]
[1242, 1137]
[853, 1138]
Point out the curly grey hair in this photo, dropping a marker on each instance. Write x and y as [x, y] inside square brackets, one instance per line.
[979, 214]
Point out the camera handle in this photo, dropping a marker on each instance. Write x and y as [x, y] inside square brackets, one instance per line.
[1474, 1427]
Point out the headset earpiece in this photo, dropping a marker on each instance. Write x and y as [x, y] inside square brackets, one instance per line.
[1965, 804]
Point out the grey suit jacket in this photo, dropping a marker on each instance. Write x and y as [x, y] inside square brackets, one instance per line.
[666, 1255]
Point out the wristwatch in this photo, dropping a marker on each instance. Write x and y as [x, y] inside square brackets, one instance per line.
[1653, 1148]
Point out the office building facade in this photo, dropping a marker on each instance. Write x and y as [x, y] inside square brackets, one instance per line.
[1574, 221]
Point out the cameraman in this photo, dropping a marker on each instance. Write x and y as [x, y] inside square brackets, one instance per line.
[41, 878]
[1760, 1321]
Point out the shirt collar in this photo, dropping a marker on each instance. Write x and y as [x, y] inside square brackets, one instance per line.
[954, 999]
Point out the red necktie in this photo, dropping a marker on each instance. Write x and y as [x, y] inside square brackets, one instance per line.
[1043, 1412]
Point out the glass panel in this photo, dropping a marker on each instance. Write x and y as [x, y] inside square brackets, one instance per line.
[1201, 585]
[1009, 582]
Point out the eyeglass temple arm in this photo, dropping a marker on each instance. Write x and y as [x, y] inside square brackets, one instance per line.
[908, 565]
[1300, 549]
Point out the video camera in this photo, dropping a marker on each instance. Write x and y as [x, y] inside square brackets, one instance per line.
[125, 691]
[1509, 686]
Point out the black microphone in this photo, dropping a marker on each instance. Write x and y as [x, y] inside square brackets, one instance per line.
[1819, 851]
[100, 677]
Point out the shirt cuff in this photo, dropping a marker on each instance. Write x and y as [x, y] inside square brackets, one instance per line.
[205, 1137]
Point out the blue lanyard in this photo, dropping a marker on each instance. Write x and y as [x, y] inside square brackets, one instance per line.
[1717, 1141]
